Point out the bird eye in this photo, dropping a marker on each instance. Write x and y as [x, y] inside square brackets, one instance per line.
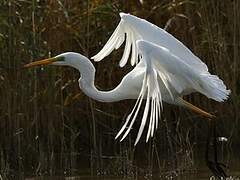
[61, 58]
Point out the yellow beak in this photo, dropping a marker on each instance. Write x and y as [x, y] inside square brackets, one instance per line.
[41, 62]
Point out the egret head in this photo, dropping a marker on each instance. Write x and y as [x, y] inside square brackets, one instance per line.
[72, 59]
[65, 59]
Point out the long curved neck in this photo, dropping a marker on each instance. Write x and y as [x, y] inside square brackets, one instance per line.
[103, 96]
[86, 83]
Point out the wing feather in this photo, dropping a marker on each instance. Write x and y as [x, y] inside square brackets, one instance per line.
[127, 49]
[163, 66]
[141, 29]
[151, 91]
[178, 76]
[134, 58]
[138, 105]
[114, 42]
[170, 67]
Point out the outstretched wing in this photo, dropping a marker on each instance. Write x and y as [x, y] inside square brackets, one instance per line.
[165, 72]
[156, 80]
[153, 105]
[133, 28]
[122, 32]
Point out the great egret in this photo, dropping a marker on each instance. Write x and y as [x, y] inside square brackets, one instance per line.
[165, 71]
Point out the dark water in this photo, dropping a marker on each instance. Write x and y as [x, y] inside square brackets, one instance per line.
[196, 176]
[204, 174]
[201, 172]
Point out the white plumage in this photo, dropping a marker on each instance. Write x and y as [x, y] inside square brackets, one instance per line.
[171, 69]
[165, 70]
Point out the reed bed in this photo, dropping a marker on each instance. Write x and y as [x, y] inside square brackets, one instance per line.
[48, 127]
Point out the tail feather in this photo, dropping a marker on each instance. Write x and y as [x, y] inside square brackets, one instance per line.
[214, 87]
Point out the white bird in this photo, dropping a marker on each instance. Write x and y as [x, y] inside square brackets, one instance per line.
[160, 74]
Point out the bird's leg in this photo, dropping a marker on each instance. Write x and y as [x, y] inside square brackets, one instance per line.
[214, 165]
[195, 108]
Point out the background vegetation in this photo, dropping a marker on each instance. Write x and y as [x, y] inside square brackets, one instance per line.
[49, 127]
